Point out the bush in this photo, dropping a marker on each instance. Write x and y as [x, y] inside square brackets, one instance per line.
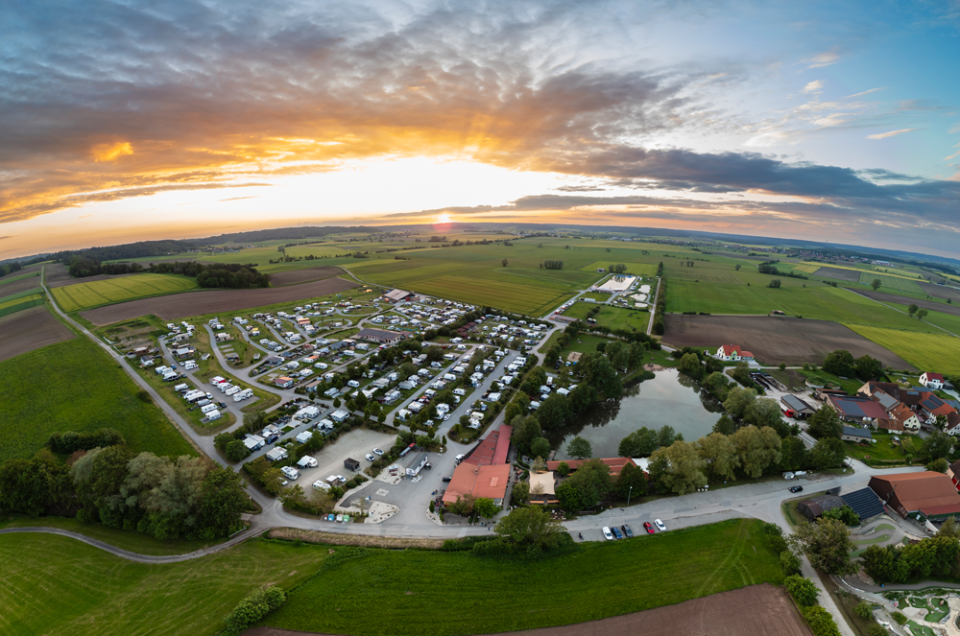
[862, 610]
[254, 608]
[790, 563]
[820, 621]
[72, 441]
[900, 618]
[803, 590]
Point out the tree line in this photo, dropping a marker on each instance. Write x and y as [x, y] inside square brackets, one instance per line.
[226, 275]
[551, 264]
[770, 268]
[10, 268]
[168, 498]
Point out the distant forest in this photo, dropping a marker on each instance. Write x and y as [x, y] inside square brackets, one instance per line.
[228, 275]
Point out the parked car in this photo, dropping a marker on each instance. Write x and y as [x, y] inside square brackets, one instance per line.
[607, 534]
[378, 452]
[616, 532]
[660, 526]
[627, 531]
[370, 457]
[796, 488]
[446, 480]
[648, 527]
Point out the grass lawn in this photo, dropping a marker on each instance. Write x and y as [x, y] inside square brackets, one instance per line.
[123, 539]
[75, 386]
[612, 317]
[583, 344]
[938, 351]
[82, 296]
[77, 589]
[920, 630]
[892, 283]
[821, 377]
[437, 593]
[883, 451]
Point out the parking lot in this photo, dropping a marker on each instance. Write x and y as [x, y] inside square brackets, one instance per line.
[330, 458]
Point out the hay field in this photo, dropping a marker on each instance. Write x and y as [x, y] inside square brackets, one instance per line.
[888, 281]
[83, 296]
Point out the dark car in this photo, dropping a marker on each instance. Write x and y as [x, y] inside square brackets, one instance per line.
[616, 532]
[446, 479]
[272, 439]
[627, 531]
[648, 527]
[796, 488]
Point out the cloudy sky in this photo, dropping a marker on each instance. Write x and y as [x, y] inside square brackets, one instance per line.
[833, 120]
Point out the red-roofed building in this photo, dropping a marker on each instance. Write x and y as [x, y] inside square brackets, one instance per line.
[733, 353]
[932, 380]
[615, 464]
[485, 472]
[931, 494]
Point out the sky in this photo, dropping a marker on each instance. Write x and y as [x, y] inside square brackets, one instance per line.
[829, 121]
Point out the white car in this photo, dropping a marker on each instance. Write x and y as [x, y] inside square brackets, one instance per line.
[660, 526]
[370, 458]
[378, 452]
[607, 534]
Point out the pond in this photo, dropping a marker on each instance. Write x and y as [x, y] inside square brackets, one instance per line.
[670, 398]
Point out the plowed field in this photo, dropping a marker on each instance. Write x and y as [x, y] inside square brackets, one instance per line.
[297, 276]
[177, 306]
[28, 330]
[774, 339]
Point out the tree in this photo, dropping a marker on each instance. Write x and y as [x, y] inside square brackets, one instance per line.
[803, 590]
[538, 465]
[938, 445]
[222, 501]
[640, 443]
[563, 469]
[667, 436]
[825, 423]
[828, 452]
[766, 412]
[725, 426]
[827, 544]
[738, 400]
[520, 495]
[690, 365]
[540, 447]
[776, 283]
[863, 610]
[716, 383]
[820, 621]
[839, 363]
[912, 309]
[790, 563]
[757, 448]
[631, 482]
[485, 508]
[525, 430]
[585, 488]
[875, 283]
[462, 506]
[922, 314]
[554, 412]
[868, 368]
[579, 448]
[719, 456]
[793, 454]
[531, 526]
[236, 451]
[737, 267]
[504, 262]
[678, 468]
[938, 465]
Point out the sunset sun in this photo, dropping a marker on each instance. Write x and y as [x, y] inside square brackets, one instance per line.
[443, 218]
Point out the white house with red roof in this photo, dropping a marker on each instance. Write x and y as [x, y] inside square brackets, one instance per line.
[733, 353]
[932, 380]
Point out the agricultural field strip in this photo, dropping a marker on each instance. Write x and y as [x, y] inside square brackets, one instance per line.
[922, 350]
[20, 294]
[20, 304]
[13, 279]
[81, 296]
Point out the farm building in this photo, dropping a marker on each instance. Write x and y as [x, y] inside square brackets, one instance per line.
[615, 464]
[484, 471]
[932, 380]
[380, 336]
[930, 494]
[733, 353]
[856, 434]
[814, 508]
[857, 409]
[864, 502]
[901, 418]
[397, 295]
[800, 408]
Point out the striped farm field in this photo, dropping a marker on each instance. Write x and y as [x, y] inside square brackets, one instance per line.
[922, 350]
[806, 268]
[83, 296]
[19, 303]
[507, 296]
[889, 281]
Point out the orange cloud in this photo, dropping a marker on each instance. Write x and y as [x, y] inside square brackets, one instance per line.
[111, 152]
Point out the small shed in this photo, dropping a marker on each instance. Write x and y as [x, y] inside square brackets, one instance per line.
[856, 434]
[814, 508]
[351, 464]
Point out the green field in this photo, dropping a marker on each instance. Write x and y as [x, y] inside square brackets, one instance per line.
[443, 594]
[80, 590]
[897, 283]
[75, 386]
[938, 352]
[950, 322]
[81, 296]
[9, 298]
[19, 302]
[12, 279]
[510, 296]
[610, 316]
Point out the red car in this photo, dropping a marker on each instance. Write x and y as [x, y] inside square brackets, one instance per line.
[648, 527]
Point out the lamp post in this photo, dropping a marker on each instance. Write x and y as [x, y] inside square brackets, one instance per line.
[629, 492]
